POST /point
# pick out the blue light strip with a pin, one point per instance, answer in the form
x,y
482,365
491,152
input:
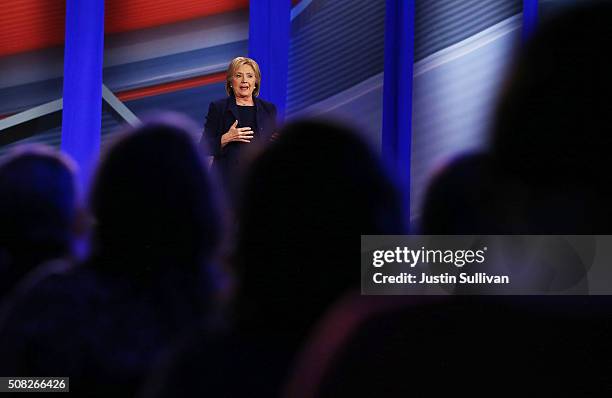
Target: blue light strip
x,y
83,55
299,7
530,17
397,92
269,22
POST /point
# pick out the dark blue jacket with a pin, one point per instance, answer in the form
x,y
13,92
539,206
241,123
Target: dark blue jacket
x,y
224,112
221,115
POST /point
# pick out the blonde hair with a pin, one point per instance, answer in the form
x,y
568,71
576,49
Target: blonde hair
x,y
235,64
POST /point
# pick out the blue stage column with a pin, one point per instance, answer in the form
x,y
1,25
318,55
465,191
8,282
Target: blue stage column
x,y
269,22
530,18
397,92
82,106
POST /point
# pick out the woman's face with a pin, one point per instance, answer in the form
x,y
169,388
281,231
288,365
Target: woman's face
x,y
243,81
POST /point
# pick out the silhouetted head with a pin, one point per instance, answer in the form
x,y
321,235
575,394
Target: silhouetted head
x,y
461,199
547,171
38,207
307,199
555,118
153,198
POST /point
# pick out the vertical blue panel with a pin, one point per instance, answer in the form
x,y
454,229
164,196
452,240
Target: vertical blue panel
x,y
530,17
397,91
269,22
83,54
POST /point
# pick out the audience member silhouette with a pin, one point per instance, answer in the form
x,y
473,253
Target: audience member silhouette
x,y
462,199
38,211
418,346
546,170
157,227
307,199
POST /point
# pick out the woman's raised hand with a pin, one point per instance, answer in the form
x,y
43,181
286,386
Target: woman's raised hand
x,y
237,134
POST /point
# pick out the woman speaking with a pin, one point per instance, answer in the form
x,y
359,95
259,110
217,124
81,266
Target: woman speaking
x,y
237,122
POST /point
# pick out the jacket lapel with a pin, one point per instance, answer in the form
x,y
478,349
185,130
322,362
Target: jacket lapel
x,y
232,107
259,114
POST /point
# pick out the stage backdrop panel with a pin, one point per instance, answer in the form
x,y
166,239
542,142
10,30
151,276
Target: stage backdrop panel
x,y
336,60
462,50
159,55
